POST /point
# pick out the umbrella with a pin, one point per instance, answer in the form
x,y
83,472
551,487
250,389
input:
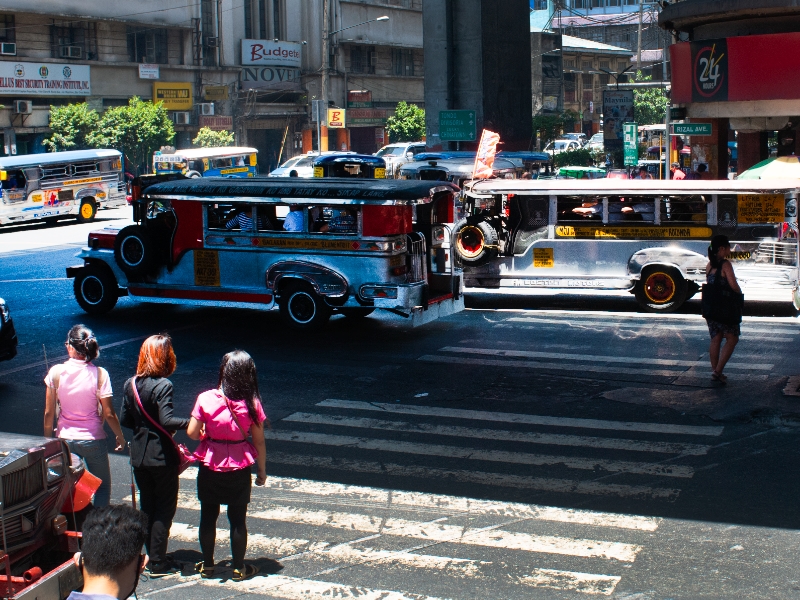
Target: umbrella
x,y
782,167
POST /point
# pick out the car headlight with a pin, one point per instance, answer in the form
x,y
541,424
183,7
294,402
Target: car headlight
x,y
55,468
4,314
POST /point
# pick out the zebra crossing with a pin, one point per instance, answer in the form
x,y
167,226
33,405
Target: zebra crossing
x,y
331,538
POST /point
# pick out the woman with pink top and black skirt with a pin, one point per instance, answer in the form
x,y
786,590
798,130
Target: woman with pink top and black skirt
x,y
222,419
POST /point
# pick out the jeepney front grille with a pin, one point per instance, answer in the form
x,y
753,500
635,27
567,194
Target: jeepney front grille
x,y
416,258
23,484
776,253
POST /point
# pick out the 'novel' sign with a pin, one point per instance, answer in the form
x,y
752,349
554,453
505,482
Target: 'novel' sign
x,y
270,78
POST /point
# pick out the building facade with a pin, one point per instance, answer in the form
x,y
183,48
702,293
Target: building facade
x,y
732,67
249,66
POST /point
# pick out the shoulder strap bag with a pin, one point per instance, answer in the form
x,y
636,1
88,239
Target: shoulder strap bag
x,y
721,304
185,456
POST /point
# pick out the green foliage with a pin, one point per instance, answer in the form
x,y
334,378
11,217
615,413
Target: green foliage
x,y
208,138
407,124
574,158
71,126
551,127
649,104
137,129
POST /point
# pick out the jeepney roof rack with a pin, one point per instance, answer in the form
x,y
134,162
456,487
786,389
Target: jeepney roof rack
x,y
331,190
577,187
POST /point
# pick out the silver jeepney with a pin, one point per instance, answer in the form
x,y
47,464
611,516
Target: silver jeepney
x,y
393,253
646,237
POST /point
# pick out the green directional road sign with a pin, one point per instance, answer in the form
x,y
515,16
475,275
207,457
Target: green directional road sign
x,y
457,126
692,128
630,144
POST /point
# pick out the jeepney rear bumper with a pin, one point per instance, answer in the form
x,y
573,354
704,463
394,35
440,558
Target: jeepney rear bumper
x,y
401,296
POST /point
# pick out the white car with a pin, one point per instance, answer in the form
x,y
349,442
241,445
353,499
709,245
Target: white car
x,y
300,166
578,137
596,142
559,146
396,155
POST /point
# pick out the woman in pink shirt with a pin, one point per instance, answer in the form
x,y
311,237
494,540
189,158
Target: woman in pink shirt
x,y
222,419
83,394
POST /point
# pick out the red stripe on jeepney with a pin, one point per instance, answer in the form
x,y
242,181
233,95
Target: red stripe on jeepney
x,y
201,295
438,299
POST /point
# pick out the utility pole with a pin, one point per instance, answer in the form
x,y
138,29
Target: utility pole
x,y
639,45
667,116
325,59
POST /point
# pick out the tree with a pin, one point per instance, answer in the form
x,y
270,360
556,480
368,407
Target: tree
x,y
649,104
137,129
574,158
208,138
550,127
407,124
71,125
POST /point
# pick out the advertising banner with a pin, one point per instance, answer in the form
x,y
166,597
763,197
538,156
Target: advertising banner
x,y
710,71
44,79
359,99
217,123
617,109
367,117
631,144
270,78
271,54
175,96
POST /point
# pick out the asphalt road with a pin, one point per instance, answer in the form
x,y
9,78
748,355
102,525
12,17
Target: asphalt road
x,y
531,447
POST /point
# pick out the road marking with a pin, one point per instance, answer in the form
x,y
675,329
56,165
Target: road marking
x,y
530,364
495,480
292,588
576,320
499,456
373,497
271,546
585,583
496,434
605,359
32,280
479,415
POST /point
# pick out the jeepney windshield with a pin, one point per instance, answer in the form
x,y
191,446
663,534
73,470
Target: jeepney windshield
x,y
391,151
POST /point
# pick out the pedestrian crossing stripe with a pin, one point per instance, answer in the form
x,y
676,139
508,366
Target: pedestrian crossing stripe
x,y
321,491
476,454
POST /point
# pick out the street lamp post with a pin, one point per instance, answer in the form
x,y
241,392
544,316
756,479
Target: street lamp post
x,y
326,35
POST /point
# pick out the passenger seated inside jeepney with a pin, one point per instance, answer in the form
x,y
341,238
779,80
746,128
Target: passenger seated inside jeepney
x,y
243,220
294,220
342,221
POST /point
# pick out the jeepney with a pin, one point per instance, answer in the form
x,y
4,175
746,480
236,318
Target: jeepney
x,y
456,167
310,247
648,237
348,165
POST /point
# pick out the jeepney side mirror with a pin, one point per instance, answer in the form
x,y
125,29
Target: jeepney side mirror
x,y
138,211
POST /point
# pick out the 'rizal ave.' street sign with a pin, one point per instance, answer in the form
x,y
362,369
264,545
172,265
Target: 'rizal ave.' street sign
x,y
691,129
457,126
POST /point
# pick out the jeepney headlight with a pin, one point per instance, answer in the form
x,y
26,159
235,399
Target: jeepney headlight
x,y
4,314
399,245
438,234
371,292
55,468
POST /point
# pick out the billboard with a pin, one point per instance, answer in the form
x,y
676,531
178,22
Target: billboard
x,y
617,109
44,79
175,96
271,54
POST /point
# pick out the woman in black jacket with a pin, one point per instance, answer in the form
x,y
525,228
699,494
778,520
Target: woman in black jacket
x,y
154,459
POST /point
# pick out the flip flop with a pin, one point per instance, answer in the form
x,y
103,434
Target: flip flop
x,y
719,377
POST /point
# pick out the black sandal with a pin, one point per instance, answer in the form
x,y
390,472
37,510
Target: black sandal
x,y
246,573
205,572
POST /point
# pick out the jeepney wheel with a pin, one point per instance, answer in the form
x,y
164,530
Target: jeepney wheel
x,y
661,289
96,289
475,242
302,307
356,313
87,211
193,174
134,250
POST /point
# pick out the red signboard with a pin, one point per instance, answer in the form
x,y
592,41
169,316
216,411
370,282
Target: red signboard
x,y
738,69
218,123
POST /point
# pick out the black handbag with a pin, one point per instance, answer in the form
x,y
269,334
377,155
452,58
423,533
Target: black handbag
x,y
721,304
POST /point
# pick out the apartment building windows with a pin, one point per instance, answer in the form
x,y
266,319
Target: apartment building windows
x,y
7,31
209,32
402,62
73,39
147,45
362,59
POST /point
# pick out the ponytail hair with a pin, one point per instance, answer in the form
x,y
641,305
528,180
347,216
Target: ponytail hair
x,y
717,242
83,341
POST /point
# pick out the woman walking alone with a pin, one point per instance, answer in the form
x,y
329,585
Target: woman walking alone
x,y
719,271
222,419
154,459
79,396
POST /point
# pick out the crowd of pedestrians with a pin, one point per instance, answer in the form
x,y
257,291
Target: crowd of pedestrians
x,y
228,421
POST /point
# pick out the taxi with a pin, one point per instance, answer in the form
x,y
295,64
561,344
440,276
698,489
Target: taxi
x,y
312,248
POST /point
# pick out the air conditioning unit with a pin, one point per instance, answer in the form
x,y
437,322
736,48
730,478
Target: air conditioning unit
x,y
212,42
205,108
181,118
7,49
23,107
70,52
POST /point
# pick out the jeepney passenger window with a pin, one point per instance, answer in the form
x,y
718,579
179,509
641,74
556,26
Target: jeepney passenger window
x,y
219,215
684,209
221,163
631,209
266,219
340,220
579,208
